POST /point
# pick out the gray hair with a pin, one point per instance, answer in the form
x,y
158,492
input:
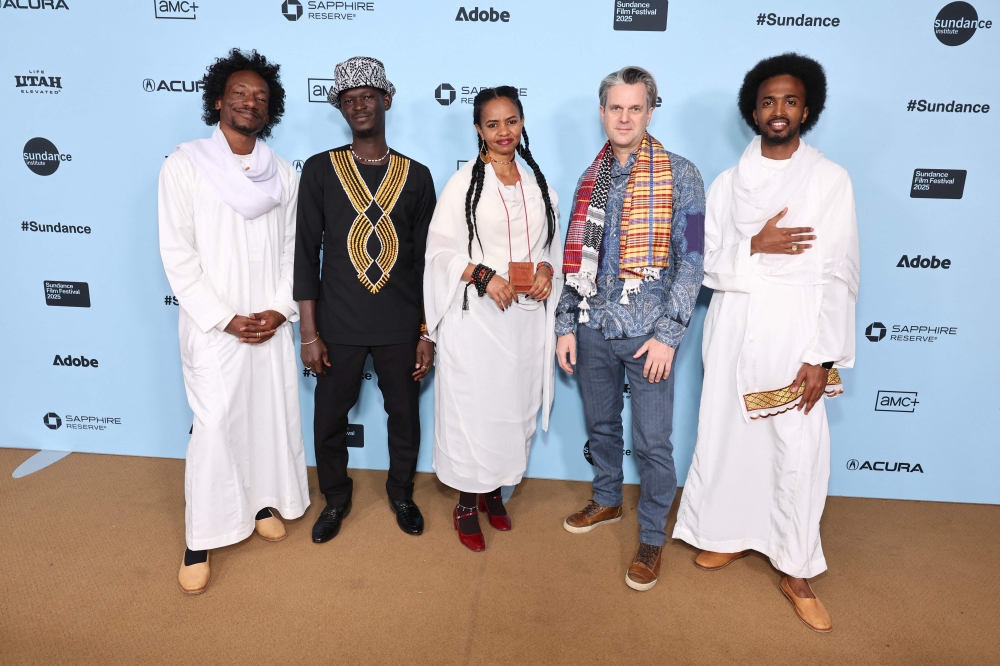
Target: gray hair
x,y
628,76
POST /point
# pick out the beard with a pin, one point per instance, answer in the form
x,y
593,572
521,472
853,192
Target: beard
x,y
774,139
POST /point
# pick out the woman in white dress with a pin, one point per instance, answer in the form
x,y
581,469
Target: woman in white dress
x,y
491,282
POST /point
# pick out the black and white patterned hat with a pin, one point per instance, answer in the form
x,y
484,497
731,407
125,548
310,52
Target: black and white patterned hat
x,y
358,72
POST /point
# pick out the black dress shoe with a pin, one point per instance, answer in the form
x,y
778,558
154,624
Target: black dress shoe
x,y
328,524
408,516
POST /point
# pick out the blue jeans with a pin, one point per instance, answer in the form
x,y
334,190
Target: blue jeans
x,y
601,368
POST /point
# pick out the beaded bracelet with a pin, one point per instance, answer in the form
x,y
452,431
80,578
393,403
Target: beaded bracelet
x,y
481,276
552,271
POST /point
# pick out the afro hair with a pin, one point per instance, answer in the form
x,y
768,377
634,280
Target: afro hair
x,y
806,70
217,75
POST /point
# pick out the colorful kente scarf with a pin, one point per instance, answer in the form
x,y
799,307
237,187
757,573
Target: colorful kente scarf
x,y
645,224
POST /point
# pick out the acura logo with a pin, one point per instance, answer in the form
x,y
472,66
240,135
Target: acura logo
x,y
148,85
852,464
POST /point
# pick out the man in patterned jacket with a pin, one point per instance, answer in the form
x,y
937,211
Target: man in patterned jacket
x,y
633,264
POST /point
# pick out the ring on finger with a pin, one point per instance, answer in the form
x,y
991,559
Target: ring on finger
x,y
795,248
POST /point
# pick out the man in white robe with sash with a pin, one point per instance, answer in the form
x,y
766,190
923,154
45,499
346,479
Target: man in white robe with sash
x,y
227,209
781,253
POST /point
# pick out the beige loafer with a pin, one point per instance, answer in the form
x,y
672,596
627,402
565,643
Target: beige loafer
x,y
709,561
194,579
270,529
812,612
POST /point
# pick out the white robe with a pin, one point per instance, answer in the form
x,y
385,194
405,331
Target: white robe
x,y
494,370
246,450
759,480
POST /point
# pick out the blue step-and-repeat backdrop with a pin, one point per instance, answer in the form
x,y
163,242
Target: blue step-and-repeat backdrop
x,y
108,89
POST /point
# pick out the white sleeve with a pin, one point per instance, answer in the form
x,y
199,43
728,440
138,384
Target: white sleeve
x,y
728,262
447,255
283,301
835,335
178,249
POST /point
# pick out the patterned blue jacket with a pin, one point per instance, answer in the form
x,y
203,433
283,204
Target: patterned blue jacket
x,y
662,307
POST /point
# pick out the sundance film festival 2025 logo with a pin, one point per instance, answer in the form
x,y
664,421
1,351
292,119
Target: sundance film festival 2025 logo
x,y
53,421
175,85
923,106
71,361
855,465
957,22
477,15
589,457
917,261
876,332
641,15
446,94
938,184
904,402
36,82
42,156
67,294
327,10
35,4
57,228
175,9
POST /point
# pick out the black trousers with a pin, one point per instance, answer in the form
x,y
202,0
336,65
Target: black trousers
x,y
337,393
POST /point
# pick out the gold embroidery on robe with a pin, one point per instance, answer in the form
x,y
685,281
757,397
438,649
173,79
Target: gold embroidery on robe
x,y
373,272
768,400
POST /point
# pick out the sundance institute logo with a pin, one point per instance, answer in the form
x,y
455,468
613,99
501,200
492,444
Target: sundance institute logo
x,y
42,157
957,22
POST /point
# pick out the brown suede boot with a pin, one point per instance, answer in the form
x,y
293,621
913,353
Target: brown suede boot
x,y
591,516
645,568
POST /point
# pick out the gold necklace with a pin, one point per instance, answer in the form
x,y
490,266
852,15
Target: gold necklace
x,y
496,161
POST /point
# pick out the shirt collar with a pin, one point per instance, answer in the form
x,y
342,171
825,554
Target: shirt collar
x,y
618,170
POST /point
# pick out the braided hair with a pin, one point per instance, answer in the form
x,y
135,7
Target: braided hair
x,y
475,191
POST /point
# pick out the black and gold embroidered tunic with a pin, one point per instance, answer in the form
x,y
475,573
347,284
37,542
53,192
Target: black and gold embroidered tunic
x,y
369,225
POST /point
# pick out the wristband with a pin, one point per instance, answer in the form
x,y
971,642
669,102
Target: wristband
x,y
552,271
481,276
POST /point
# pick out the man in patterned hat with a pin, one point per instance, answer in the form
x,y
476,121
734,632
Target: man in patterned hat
x,y
367,208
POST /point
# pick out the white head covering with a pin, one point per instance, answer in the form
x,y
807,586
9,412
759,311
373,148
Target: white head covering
x,y
251,193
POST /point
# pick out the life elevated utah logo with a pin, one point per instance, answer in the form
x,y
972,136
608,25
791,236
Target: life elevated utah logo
x,y
35,82
42,157
957,22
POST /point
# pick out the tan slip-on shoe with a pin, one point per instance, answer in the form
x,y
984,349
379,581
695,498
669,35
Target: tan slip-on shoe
x,y
591,516
194,579
270,529
812,612
710,561
645,568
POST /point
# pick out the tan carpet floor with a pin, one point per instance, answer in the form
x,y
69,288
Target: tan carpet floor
x,y
89,551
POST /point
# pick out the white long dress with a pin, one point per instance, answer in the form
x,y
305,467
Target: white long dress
x,y
494,369
246,450
759,478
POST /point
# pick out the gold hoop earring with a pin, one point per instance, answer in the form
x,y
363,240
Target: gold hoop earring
x,y
483,150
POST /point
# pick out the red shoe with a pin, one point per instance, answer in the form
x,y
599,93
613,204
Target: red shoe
x,y
501,523
473,542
